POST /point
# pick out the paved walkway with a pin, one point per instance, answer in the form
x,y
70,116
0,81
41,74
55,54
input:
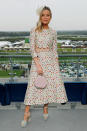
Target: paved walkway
x,y
60,119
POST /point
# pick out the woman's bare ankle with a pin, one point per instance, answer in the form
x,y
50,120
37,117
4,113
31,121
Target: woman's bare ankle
x,y
45,109
26,112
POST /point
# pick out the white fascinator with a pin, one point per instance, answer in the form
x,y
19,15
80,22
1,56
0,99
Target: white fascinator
x,y
38,10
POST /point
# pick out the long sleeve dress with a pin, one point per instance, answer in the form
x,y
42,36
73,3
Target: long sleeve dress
x,y
55,91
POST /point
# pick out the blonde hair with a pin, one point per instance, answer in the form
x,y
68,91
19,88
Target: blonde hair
x,y
39,25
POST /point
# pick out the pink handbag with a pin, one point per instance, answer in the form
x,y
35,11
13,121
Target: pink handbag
x,y
40,82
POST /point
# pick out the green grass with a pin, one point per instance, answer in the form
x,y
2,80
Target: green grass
x,y
4,74
26,60
71,38
15,59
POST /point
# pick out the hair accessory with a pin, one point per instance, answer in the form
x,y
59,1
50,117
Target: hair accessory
x,y
38,10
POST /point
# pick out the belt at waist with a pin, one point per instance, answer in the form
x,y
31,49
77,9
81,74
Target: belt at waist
x,y
41,49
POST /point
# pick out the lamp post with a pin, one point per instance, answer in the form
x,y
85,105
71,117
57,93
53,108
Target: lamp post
x,y
78,67
11,73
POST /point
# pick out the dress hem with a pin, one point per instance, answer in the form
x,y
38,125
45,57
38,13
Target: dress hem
x,y
47,102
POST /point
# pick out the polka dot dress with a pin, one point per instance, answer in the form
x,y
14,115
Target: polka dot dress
x,y
55,91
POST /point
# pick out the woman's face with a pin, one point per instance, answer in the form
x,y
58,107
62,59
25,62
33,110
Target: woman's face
x,y
45,17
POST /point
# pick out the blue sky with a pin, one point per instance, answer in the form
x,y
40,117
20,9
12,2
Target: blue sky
x,y
20,15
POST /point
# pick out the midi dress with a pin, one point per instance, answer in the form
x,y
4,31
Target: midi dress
x,y
55,91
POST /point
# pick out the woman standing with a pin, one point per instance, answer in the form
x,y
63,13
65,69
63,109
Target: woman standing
x,y
43,47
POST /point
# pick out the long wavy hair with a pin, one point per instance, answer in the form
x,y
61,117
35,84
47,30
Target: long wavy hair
x,y
39,25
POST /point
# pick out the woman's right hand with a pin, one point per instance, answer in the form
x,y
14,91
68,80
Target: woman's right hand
x,y
39,69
